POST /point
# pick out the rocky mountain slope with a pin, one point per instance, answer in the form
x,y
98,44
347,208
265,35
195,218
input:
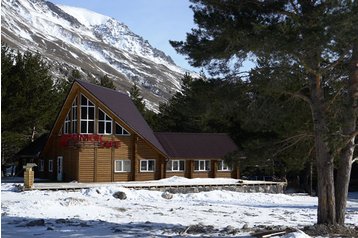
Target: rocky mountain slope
x,y
96,45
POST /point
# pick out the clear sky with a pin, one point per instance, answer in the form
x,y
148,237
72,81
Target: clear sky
x,y
157,21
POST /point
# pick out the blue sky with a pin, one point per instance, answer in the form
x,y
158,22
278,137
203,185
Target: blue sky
x,y
157,21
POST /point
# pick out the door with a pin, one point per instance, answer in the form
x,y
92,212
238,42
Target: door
x,y
59,168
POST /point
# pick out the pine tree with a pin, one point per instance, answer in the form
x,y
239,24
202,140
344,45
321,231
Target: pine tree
x,y
317,37
137,98
105,81
29,100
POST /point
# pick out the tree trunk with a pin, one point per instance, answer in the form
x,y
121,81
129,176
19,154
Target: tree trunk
x,y
326,213
349,127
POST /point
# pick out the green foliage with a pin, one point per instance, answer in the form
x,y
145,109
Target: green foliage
x,y
105,81
137,98
295,43
29,99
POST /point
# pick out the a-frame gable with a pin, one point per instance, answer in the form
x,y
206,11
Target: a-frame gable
x,y
116,105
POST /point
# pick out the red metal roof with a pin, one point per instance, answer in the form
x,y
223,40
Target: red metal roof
x,y
196,145
123,107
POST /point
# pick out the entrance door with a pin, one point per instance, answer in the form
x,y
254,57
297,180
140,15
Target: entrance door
x,y
59,168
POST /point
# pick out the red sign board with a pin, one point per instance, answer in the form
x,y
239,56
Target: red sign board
x,y
85,139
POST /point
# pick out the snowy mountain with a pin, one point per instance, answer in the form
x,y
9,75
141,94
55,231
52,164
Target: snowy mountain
x,y
74,38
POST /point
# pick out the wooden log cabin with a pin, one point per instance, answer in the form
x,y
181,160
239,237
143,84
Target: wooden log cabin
x,y
100,136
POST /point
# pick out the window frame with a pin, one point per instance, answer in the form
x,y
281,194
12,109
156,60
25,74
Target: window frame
x,y
50,166
67,124
104,121
200,162
87,119
222,166
122,165
171,163
147,165
74,118
123,130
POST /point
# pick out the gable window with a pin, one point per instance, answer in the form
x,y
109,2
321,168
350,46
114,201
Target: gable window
x,y
70,124
42,165
87,116
202,165
122,166
223,166
175,165
74,116
50,166
67,124
147,165
121,131
104,123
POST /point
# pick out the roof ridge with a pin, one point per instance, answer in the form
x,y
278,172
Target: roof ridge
x,y
99,86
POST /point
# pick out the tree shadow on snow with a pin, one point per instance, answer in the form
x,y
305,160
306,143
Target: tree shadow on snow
x,y
72,227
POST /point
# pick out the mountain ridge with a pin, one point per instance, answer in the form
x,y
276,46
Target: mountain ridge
x,y
95,44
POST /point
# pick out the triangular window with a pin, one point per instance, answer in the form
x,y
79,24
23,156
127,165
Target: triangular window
x,y
121,131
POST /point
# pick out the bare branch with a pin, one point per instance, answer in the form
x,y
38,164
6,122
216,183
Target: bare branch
x,y
301,96
354,160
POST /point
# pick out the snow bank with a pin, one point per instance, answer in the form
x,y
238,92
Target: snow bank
x,y
147,213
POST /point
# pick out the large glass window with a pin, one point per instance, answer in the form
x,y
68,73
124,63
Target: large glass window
x,y
147,165
104,123
122,166
223,166
87,116
175,165
202,165
121,131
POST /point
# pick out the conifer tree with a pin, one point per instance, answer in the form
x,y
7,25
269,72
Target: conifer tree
x,y
29,100
105,81
137,98
317,37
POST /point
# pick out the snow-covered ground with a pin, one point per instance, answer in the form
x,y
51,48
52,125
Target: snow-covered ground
x,y
94,212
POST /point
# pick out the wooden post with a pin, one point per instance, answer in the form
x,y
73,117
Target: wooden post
x,y
29,175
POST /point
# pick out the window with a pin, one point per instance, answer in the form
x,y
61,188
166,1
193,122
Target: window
x,y
202,165
122,166
104,123
50,166
67,124
175,165
147,165
87,116
42,165
74,116
70,124
223,166
121,131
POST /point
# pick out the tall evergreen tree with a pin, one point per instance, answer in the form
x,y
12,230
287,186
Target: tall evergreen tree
x,y
317,37
29,100
137,98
